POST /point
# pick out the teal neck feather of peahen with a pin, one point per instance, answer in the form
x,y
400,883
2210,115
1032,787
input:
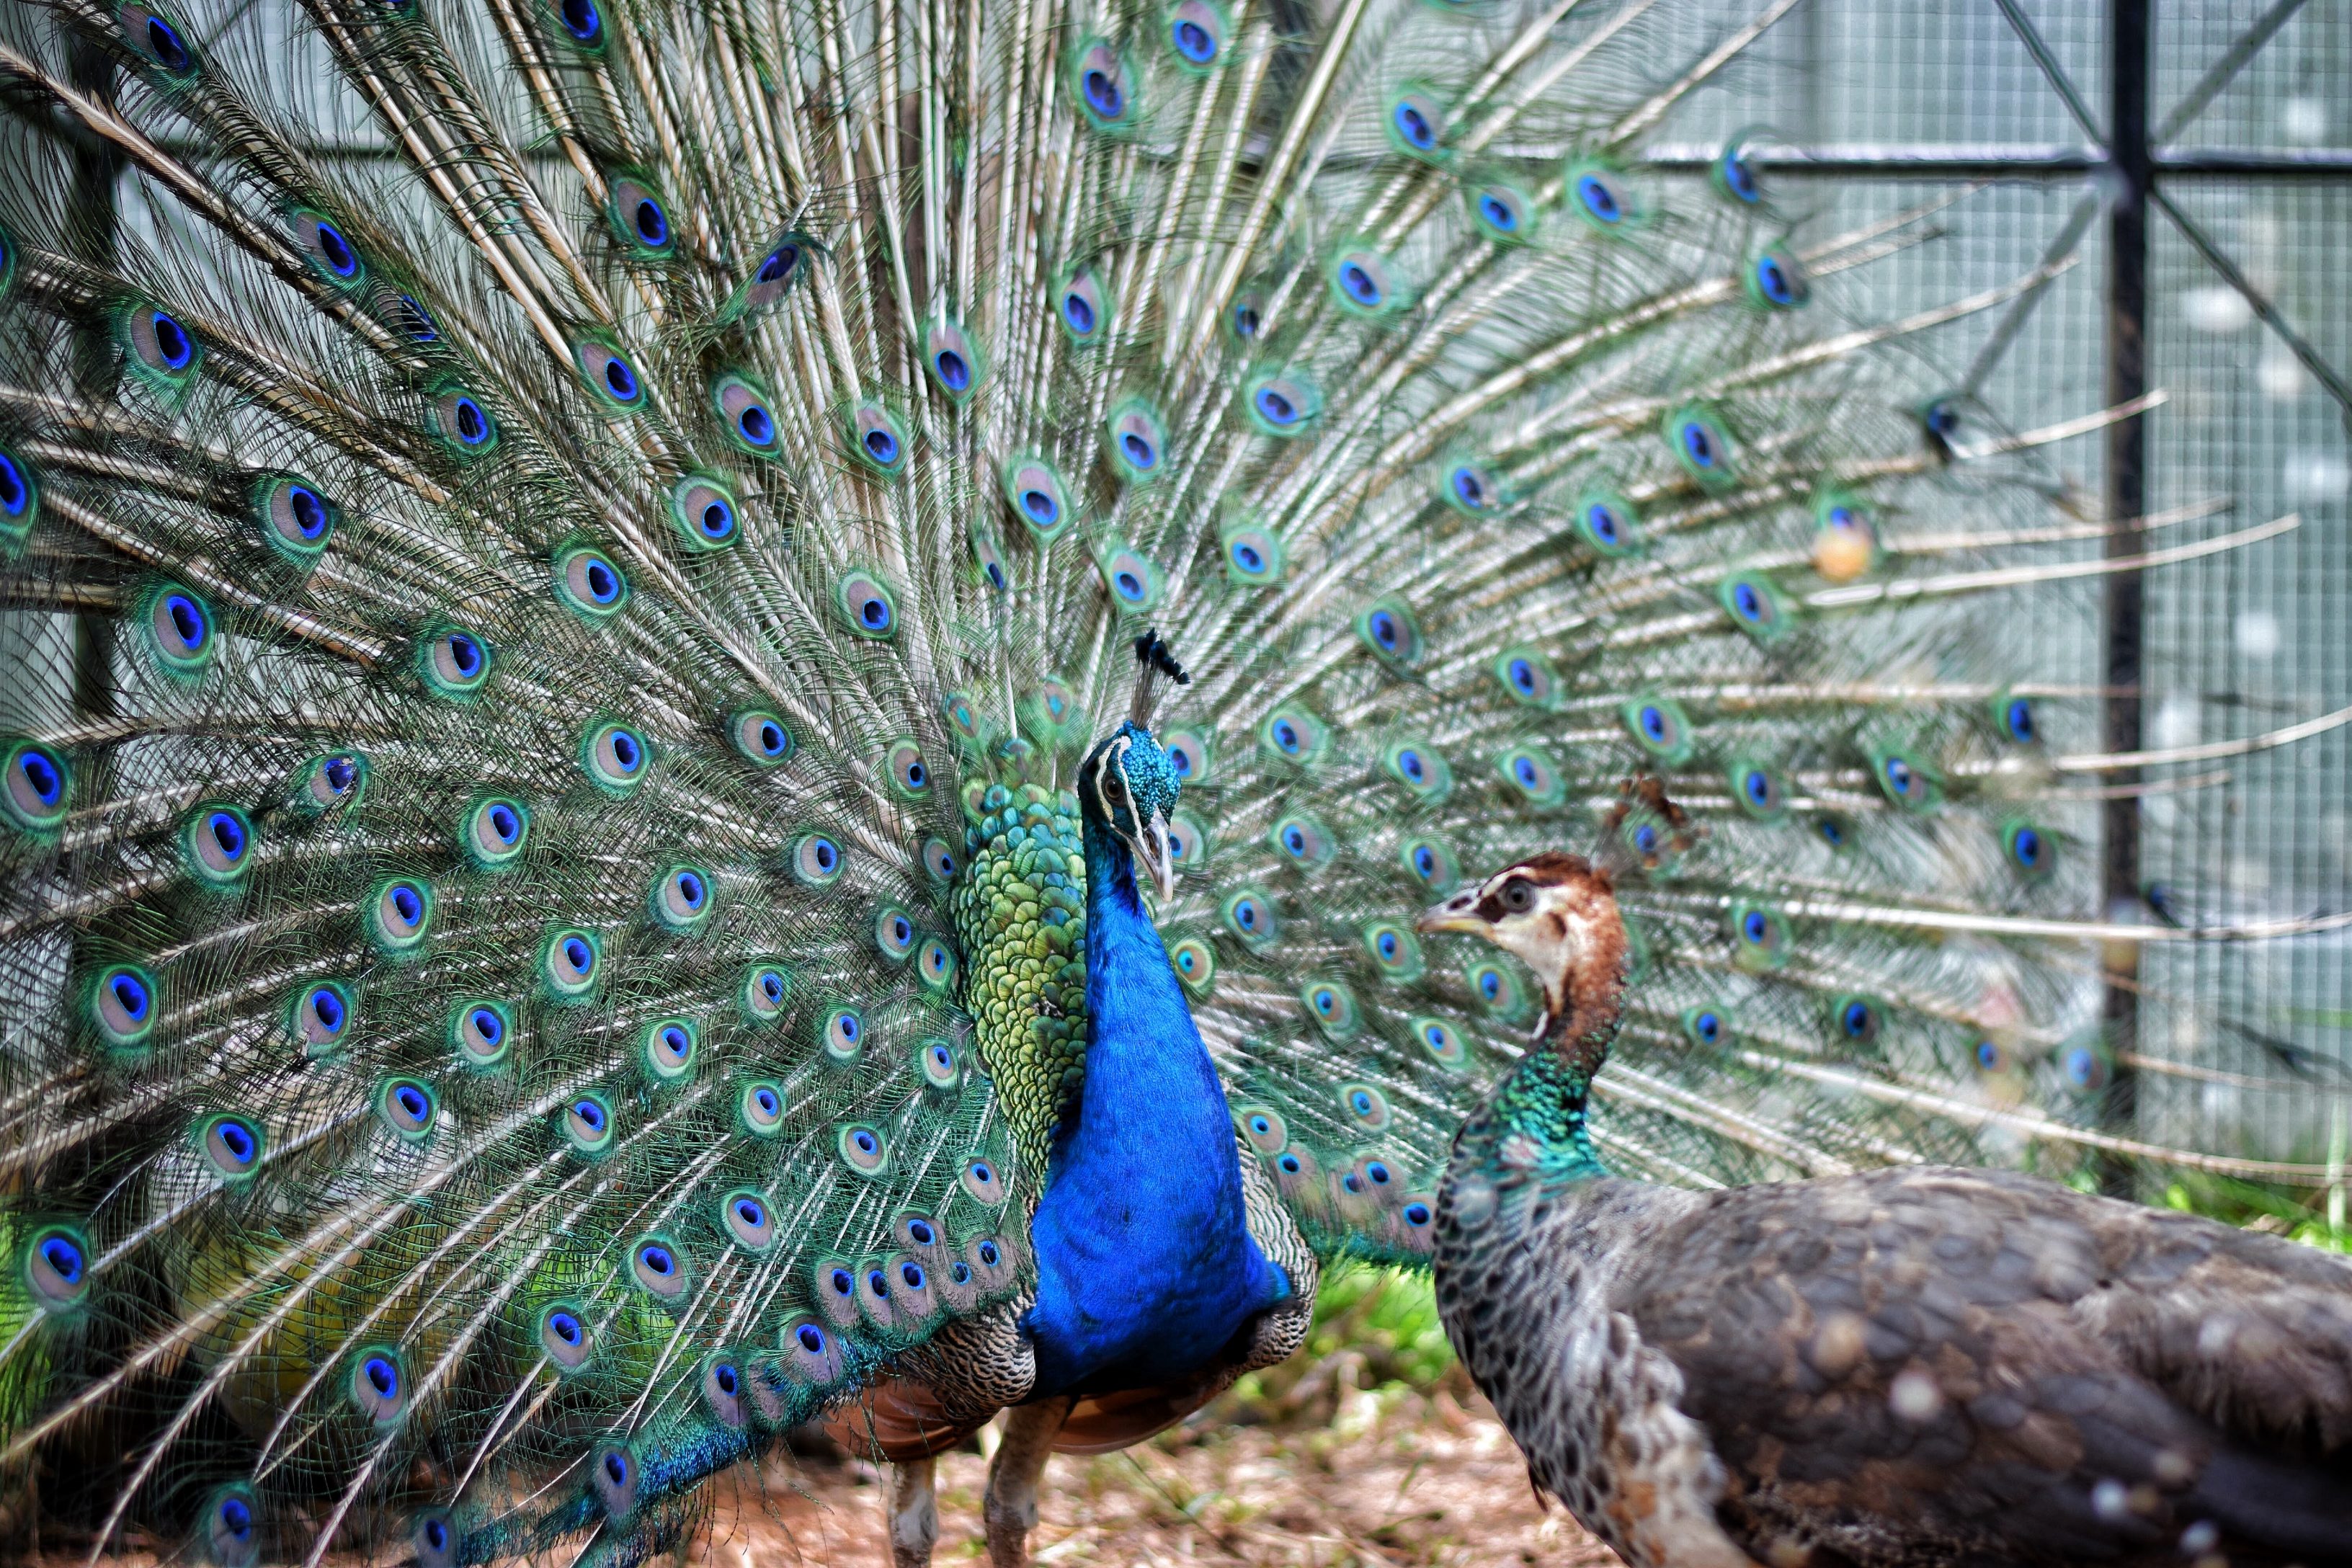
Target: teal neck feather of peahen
x,y
1539,1113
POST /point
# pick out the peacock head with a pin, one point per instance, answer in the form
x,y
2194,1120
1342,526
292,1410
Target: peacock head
x,y
1128,784
1558,914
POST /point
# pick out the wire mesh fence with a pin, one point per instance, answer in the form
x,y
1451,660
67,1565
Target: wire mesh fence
x,y
2248,110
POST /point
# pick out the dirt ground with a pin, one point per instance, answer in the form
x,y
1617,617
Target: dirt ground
x,y
1395,1478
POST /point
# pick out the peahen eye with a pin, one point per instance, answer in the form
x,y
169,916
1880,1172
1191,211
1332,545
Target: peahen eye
x,y
1519,895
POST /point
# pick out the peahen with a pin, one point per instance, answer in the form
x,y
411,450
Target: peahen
x,y
1883,1369
560,562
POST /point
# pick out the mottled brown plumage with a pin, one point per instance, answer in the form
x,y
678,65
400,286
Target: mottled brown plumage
x,y
1893,1369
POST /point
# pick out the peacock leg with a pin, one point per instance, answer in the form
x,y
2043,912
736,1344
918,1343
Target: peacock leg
x,y
1010,1506
914,1514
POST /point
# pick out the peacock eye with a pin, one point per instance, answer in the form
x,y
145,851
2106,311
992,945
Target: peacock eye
x,y
1519,895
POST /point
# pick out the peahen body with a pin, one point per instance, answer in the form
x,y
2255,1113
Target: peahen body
x,y
1898,1368
562,564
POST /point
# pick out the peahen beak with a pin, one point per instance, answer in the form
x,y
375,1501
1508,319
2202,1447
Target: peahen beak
x,y
1459,913
1153,854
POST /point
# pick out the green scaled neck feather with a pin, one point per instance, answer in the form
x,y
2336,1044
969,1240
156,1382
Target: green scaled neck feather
x,y
1540,1106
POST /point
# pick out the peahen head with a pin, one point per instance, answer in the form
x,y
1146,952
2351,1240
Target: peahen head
x,y
1127,786
1558,914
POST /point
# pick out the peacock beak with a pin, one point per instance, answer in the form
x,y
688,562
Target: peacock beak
x,y
1459,913
1153,853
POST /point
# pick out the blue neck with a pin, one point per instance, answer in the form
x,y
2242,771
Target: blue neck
x,y
1145,1271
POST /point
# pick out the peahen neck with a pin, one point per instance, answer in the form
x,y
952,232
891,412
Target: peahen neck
x,y
1535,1116
1145,1269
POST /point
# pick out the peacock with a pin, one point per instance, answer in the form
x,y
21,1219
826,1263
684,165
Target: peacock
x,y
1881,1368
570,574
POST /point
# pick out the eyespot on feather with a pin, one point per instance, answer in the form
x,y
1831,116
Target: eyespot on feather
x,y
1135,442
670,1048
748,413
681,898
1430,863
1394,951
704,512
407,1108
320,1015
1103,84
481,1032
20,488
494,833
1389,629
1082,307
1659,727
1033,489
615,757
1133,582
766,988
158,38
1250,916
229,1526
1846,537
1416,122
1702,446
586,1125
399,916
1503,212
296,518
1281,402
159,349
1197,33
759,738
1603,198
1253,555
955,361
566,1336
878,438
1366,284
571,963
1195,964
218,845
1759,937
460,422
638,215
760,1108
588,582
867,604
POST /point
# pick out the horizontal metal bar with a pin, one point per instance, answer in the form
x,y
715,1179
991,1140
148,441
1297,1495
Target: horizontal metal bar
x,y
1994,160
2325,162
1881,160
1938,159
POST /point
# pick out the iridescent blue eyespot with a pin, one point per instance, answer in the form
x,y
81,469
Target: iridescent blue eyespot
x,y
158,39
1737,178
1778,280
1599,199
1415,124
582,20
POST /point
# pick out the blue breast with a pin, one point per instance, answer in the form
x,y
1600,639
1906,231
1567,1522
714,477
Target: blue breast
x,y
1145,1268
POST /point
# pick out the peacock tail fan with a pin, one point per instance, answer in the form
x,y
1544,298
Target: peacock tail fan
x,y
559,559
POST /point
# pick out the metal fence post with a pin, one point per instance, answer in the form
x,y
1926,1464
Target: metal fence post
x,y
2131,164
